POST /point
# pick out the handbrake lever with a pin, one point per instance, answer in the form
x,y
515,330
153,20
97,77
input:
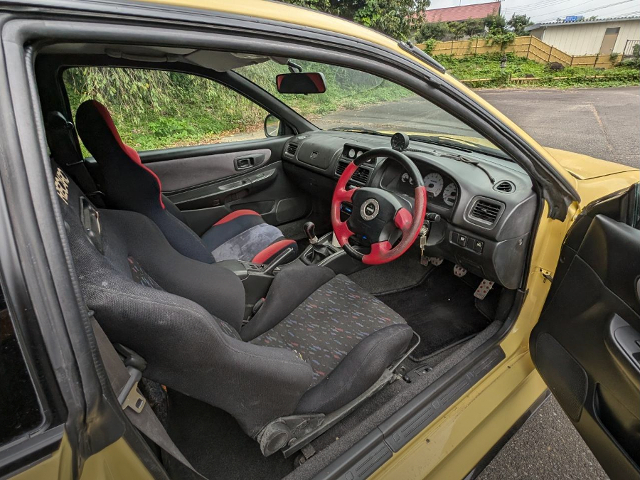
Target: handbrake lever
x,y
276,262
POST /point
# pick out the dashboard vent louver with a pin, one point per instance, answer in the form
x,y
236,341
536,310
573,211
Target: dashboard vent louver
x,y
360,176
486,211
341,168
505,186
292,148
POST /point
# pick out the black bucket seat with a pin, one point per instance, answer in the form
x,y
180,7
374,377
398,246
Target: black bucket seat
x,y
318,343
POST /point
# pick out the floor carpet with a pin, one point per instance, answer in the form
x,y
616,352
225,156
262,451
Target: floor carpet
x,y
441,310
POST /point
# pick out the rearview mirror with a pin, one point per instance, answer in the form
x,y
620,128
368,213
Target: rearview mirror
x,y
301,83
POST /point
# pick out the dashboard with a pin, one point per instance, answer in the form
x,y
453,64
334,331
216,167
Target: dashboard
x,y
486,203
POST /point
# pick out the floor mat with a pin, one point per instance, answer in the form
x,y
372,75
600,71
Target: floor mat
x,y
403,273
215,445
441,310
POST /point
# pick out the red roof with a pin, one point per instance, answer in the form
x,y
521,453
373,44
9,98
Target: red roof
x,y
464,12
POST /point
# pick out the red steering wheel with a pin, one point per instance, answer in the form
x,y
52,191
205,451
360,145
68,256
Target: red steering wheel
x,y
378,215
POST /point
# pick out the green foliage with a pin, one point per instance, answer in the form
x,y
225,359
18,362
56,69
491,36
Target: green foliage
x,y
613,57
436,31
457,29
155,109
429,45
502,38
487,68
495,22
518,24
473,27
393,17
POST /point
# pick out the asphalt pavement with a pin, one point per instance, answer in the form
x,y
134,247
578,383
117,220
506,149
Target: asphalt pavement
x,y
600,122
603,123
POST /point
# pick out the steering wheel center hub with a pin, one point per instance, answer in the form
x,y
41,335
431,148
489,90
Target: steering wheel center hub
x,y
369,209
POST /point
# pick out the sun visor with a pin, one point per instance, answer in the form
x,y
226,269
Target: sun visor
x,y
225,61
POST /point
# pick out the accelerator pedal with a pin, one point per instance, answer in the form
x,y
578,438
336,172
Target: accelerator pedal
x,y
483,289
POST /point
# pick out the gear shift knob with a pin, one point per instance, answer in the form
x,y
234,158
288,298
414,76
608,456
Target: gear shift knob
x,y
310,232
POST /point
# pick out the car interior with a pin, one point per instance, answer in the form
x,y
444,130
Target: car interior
x,y
290,291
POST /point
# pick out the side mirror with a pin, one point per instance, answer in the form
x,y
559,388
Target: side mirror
x,y
301,83
271,126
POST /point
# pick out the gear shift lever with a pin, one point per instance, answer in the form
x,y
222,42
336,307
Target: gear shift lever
x,y
310,230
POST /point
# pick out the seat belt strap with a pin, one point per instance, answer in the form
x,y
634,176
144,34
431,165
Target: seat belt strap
x,y
124,381
62,143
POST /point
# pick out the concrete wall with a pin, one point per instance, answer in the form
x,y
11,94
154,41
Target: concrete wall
x,y
586,38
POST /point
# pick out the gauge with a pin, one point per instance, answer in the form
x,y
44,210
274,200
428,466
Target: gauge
x,y
450,194
400,141
405,177
352,153
360,152
434,183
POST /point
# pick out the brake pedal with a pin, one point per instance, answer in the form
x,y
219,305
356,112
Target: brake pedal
x,y
483,289
459,271
436,261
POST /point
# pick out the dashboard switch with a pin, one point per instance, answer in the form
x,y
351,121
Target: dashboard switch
x,y
462,240
478,245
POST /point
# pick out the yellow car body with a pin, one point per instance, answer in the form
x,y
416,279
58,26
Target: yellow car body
x,y
461,436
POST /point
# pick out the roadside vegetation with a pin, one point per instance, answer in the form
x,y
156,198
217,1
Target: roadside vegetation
x,y
155,109
486,69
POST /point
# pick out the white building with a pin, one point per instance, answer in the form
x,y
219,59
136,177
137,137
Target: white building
x,y
590,37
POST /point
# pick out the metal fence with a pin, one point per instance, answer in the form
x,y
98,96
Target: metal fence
x,y
631,49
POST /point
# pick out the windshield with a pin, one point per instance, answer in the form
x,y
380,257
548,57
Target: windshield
x,y
359,101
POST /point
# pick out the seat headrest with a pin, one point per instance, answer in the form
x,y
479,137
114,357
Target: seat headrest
x,y
100,136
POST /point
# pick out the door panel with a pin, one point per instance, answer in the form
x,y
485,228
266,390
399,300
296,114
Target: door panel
x,y
180,173
208,182
586,344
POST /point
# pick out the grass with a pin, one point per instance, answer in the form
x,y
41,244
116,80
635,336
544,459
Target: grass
x,y
487,66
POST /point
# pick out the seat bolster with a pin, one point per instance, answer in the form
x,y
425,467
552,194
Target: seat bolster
x,y
289,289
357,371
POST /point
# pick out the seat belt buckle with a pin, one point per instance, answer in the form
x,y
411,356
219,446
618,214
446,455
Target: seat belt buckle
x,y
130,396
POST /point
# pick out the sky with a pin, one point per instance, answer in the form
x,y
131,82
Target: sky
x,y
549,10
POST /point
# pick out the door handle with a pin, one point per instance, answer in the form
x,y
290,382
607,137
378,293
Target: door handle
x,y
242,163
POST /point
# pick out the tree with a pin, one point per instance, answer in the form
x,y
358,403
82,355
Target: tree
x,y
495,23
438,31
393,17
518,24
474,26
457,30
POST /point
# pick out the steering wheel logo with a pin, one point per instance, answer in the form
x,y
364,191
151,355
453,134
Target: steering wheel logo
x,y
370,209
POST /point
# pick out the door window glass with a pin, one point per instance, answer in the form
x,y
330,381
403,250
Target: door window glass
x,y
155,109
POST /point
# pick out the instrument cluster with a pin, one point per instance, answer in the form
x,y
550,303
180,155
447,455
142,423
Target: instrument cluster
x,y
437,186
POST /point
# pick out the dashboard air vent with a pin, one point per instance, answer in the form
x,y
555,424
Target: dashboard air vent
x,y
292,148
486,211
505,186
360,176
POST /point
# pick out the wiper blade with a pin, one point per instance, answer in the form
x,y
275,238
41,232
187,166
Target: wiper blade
x,y
358,130
463,159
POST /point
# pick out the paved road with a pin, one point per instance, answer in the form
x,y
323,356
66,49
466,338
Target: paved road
x,y
600,122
